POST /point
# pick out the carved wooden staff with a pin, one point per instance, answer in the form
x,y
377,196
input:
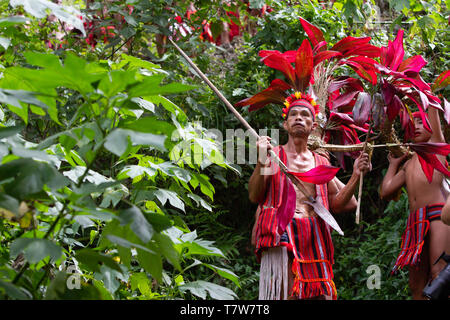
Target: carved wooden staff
x,y
318,207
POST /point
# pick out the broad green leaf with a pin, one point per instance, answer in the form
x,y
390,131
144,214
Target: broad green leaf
x,y
115,81
14,292
35,249
168,250
127,244
9,203
163,195
30,177
133,216
134,63
168,105
13,20
151,262
149,125
117,140
15,97
200,201
225,273
10,131
201,288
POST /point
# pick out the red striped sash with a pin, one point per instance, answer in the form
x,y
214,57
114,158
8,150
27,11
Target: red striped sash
x,y
413,237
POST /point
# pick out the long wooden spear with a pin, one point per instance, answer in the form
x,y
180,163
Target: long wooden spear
x,y
317,205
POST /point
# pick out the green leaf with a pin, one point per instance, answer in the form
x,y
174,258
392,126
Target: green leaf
x,y
201,288
30,177
13,20
168,250
133,216
150,87
151,262
35,249
9,203
127,244
94,260
149,125
117,140
225,273
163,195
15,292
15,97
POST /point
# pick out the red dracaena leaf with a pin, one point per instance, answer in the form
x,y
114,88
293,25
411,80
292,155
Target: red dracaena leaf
x,y
387,91
407,124
393,108
349,43
361,109
275,93
413,64
286,209
365,73
325,55
441,81
356,84
314,33
303,66
279,62
318,175
429,162
395,52
344,99
431,147
319,47
366,50
427,168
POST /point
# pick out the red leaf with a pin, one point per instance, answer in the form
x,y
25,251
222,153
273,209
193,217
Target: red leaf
x,y
344,99
303,66
349,43
442,81
318,175
395,51
394,108
324,55
348,81
277,61
366,50
362,108
412,64
368,74
431,147
429,162
319,47
314,33
275,93
427,168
